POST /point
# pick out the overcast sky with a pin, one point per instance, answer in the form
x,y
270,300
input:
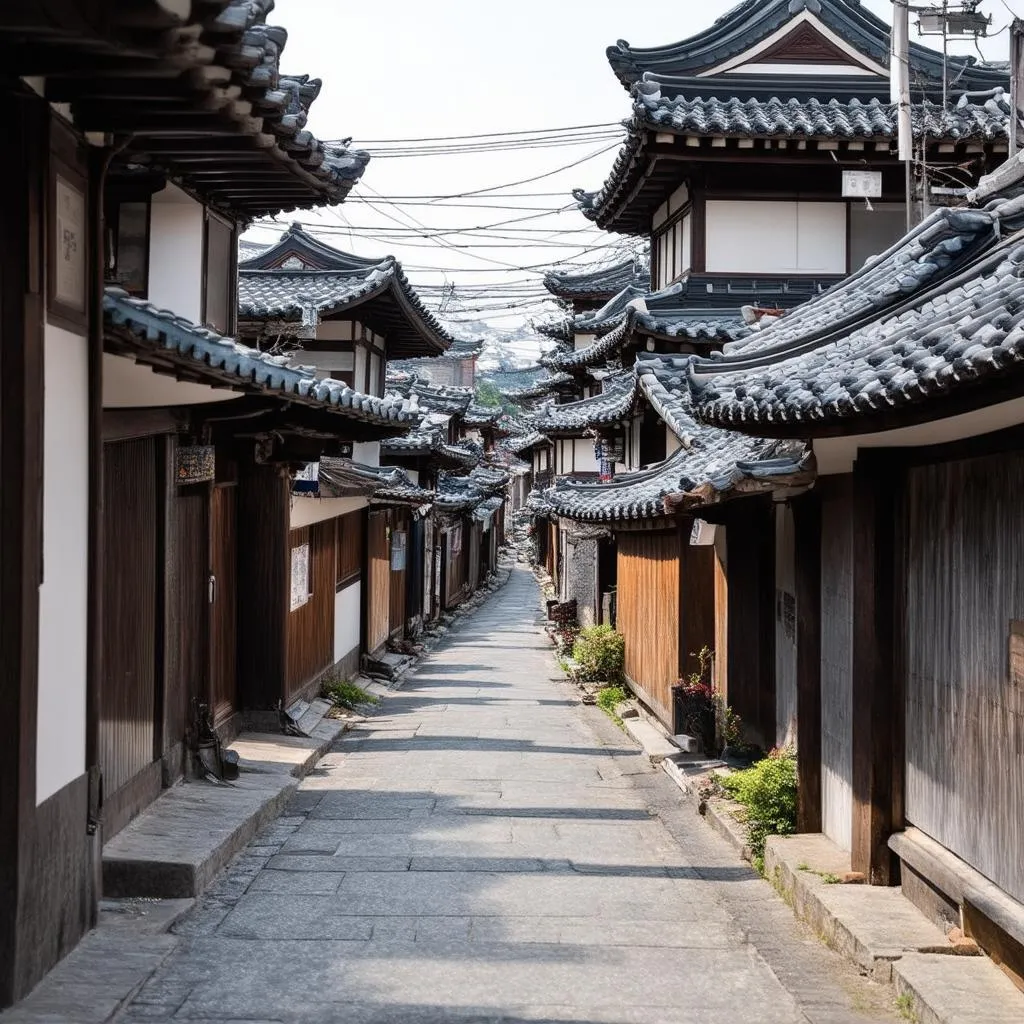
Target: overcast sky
x,y
409,69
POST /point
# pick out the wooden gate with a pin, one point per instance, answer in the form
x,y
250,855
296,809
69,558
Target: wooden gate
x,y
191,588
131,516
648,614
222,596
964,654
378,597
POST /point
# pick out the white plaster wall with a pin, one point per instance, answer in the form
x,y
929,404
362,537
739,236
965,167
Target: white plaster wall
x,y
366,452
347,604
776,237
672,443
127,385
176,254
63,597
586,461
837,454
308,509
583,340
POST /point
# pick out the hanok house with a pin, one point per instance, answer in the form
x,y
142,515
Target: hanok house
x,y
136,143
380,568
668,606
904,559
455,367
741,139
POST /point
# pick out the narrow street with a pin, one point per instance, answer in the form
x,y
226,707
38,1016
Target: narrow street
x,y
487,849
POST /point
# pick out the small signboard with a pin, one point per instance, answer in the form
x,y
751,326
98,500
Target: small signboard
x,y
307,479
300,576
195,464
398,545
862,184
703,534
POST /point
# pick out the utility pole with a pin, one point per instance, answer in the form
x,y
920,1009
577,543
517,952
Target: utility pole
x,y
1016,83
899,86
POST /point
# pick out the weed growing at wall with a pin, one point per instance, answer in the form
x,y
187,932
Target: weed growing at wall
x,y
347,694
600,653
768,791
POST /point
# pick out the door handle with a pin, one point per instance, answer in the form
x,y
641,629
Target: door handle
x,y
212,588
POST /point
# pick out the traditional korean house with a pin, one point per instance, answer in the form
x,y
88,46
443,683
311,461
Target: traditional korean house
x,y
584,291
666,598
139,139
742,138
904,557
455,367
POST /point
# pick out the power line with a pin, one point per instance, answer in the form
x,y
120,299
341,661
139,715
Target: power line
x,y
486,135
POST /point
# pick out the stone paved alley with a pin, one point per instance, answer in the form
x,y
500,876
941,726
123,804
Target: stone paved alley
x,y
488,849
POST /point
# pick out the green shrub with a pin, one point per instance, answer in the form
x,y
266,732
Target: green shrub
x,y
610,698
347,694
768,791
600,653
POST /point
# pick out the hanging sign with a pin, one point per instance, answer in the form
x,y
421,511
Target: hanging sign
x,y
862,184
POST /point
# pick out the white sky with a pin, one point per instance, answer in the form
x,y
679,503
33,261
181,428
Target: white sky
x,y
402,69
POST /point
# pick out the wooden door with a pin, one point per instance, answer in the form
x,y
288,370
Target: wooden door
x,y
127,726
648,615
191,595
378,599
223,597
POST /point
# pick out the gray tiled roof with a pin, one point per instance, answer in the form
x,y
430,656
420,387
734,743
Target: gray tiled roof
x,y
715,111
602,282
384,484
154,335
754,21
429,441
534,382
523,442
611,313
442,398
956,331
477,415
302,278
615,403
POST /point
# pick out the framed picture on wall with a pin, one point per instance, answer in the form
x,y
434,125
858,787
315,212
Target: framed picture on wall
x,y
67,231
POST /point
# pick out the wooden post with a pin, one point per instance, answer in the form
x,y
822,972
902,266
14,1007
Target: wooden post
x,y
877,733
807,525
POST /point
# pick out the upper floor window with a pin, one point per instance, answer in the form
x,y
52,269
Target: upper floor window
x,y
672,249
128,246
219,296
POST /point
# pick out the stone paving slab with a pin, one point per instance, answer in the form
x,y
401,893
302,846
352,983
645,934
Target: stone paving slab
x,y
177,845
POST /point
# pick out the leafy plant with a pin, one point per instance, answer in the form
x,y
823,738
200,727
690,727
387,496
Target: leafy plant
x,y
348,694
601,653
610,698
768,791
702,711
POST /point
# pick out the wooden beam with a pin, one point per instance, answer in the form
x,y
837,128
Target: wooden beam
x,y
807,525
877,734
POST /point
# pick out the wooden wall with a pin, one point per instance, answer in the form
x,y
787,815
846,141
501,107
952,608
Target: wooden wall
x,y
456,566
310,636
378,581
721,585
750,685
837,659
964,674
128,695
648,614
785,628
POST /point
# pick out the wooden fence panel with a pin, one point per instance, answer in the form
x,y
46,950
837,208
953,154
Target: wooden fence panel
x,y
130,541
964,650
311,625
378,599
648,614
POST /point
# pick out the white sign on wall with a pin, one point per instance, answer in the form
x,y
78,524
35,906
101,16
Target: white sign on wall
x,y
300,576
862,184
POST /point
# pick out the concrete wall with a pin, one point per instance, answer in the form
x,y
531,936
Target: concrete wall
x,y
63,597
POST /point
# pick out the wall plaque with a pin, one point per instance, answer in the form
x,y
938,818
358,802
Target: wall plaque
x,y
398,543
300,576
195,464
71,250
1017,652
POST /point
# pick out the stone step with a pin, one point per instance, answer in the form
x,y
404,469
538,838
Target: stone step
x,y
177,845
657,746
